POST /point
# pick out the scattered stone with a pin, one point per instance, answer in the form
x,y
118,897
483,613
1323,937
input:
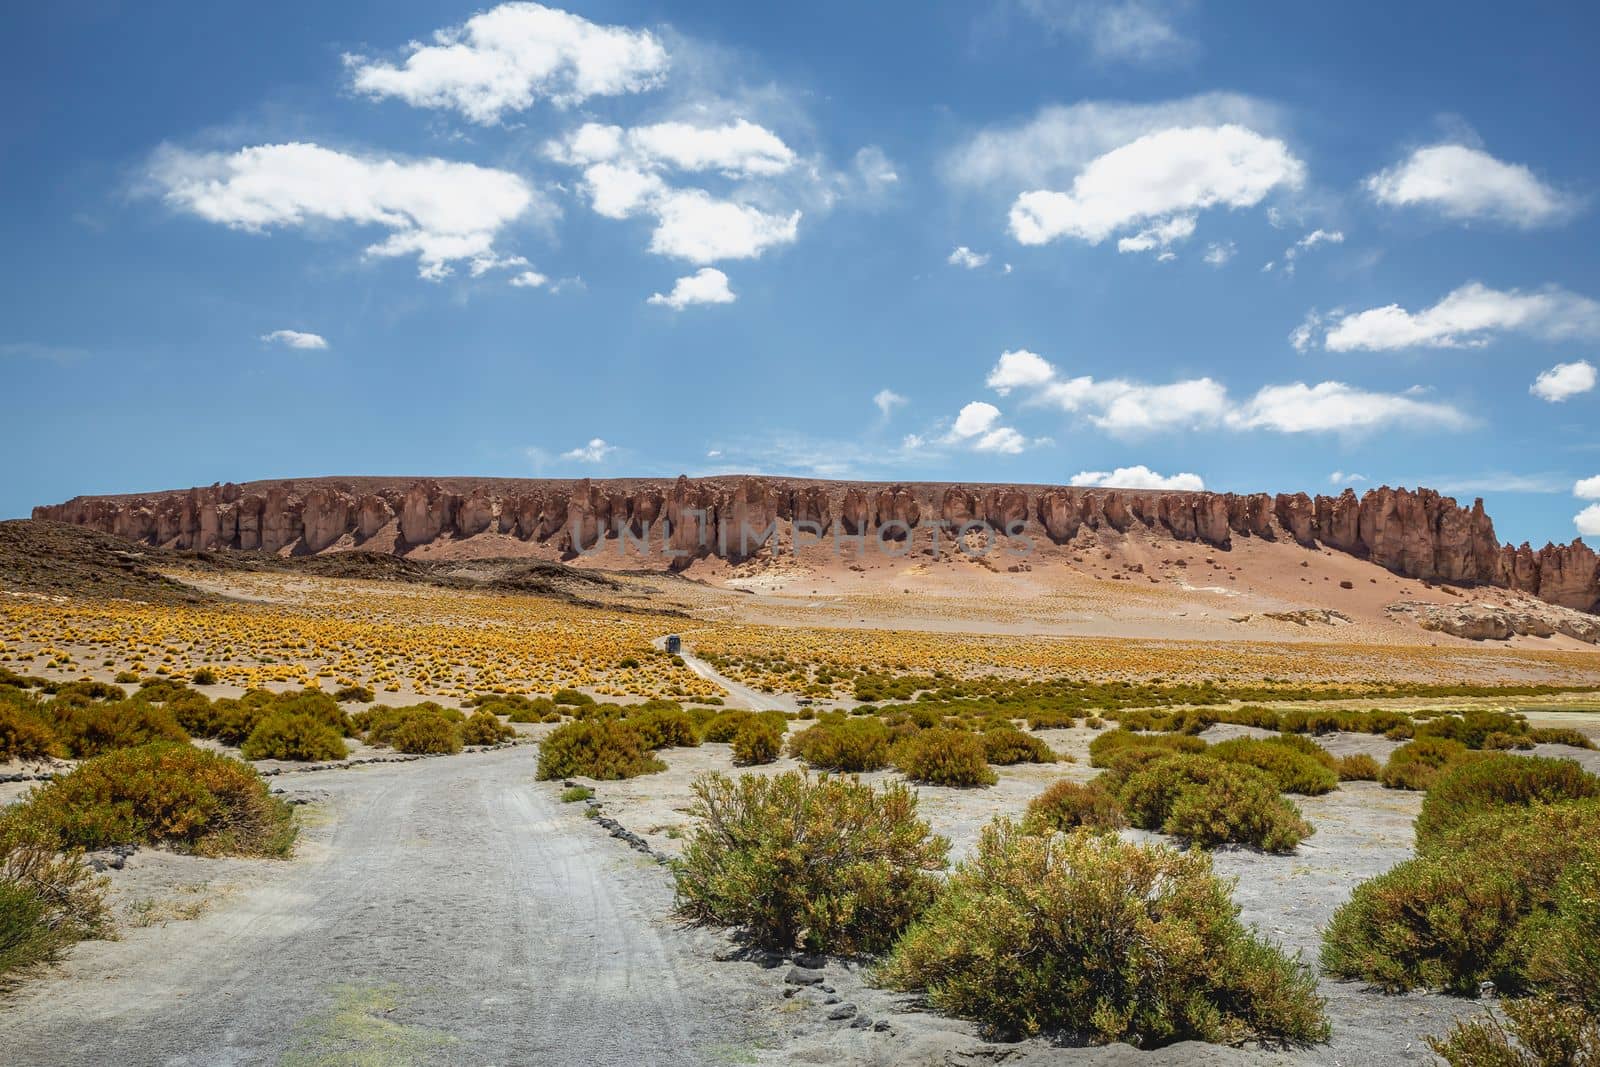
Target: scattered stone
x,y
1499,622
843,1011
803,976
1306,616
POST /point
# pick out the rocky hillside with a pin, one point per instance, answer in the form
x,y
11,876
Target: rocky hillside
x,y
1419,534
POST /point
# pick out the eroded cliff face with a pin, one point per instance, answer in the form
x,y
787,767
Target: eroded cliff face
x,y
1416,533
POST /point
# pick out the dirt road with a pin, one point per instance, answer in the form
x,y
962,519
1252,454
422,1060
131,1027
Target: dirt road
x,y
743,695
447,911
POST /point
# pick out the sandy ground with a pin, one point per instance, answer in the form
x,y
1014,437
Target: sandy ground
x,y
1362,830
452,910
442,911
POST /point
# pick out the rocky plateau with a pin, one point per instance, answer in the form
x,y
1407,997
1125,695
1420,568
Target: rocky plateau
x,y
1415,533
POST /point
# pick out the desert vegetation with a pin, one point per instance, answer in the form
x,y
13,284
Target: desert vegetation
x,y
1085,934
49,898
1538,1032
878,665
165,793
354,635
825,863
600,748
1503,890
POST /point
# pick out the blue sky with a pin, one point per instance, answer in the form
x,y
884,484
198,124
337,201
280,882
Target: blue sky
x,y
1020,241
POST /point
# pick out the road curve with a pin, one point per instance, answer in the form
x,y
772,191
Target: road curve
x,y
453,912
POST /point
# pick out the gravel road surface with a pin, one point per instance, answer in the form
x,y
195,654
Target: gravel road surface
x,y
445,911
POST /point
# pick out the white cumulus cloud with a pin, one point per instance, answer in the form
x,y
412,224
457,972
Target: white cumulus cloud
x,y
1467,183
528,279
594,452
694,225
1138,477
1343,478
295,339
1160,237
966,257
1587,488
504,59
1158,177
440,211
1019,369
1334,406
627,172
708,285
1588,521
738,149
977,427
1129,408
1468,317
1219,252
1050,148
1564,380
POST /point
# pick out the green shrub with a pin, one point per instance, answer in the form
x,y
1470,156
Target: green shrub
x,y
419,729
1105,747
47,899
721,727
1293,769
1092,936
1305,746
1006,745
605,749
315,703
1540,1032
203,676
827,863
1068,805
851,746
1209,801
483,727
426,735
26,936
664,727
540,709
1467,790
1359,767
1416,764
1561,735
1565,955
91,729
574,793
163,794
24,734
293,737
1479,728
1472,909
757,741
354,694
943,756
572,698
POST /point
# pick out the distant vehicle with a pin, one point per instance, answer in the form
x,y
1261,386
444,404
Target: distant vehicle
x,y
804,702
674,644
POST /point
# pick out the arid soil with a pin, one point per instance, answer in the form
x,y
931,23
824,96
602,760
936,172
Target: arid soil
x,y
452,910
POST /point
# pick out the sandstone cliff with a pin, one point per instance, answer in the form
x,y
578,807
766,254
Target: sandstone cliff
x,y
1416,533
